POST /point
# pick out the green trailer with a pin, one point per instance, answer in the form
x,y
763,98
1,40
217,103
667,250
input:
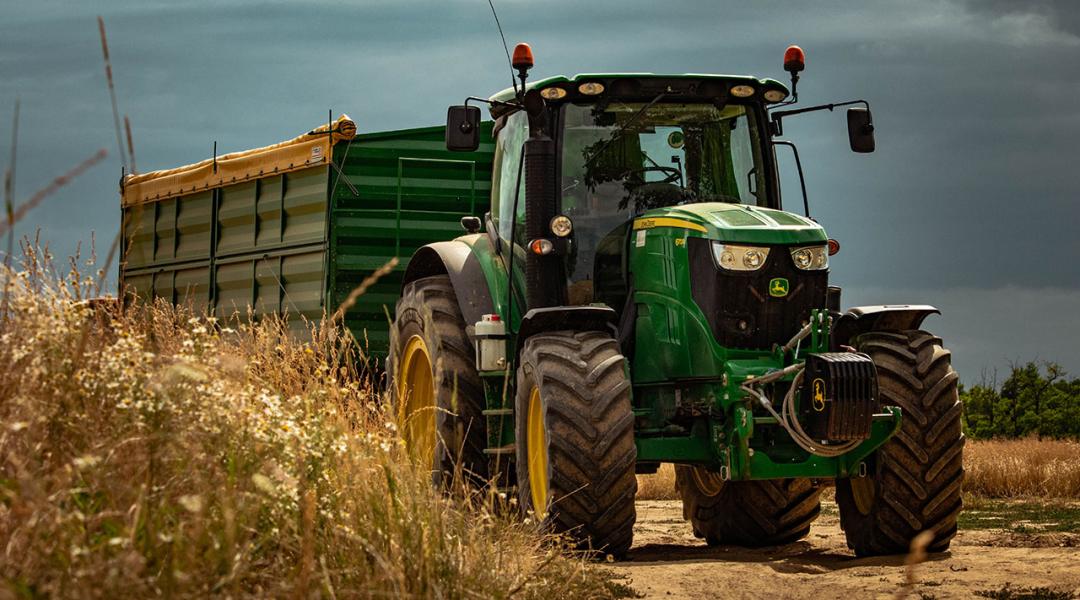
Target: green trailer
x,y
293,228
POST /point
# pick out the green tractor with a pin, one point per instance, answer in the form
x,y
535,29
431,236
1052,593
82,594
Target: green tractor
x,y
637,295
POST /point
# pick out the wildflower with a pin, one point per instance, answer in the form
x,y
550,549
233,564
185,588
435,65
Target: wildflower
x,y
86,461
263,483
192,503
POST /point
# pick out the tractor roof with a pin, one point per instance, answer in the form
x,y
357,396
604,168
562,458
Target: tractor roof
x,y
651,84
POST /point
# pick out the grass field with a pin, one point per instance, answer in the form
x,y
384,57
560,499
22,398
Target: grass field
x,y
151,453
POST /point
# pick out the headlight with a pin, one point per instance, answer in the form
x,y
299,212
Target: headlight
x,y
739,258
561,226
811,258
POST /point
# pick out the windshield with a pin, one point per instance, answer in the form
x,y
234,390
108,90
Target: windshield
x,y
621,159
632,157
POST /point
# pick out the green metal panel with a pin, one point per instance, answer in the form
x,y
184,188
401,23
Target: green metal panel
x,y
139,224
304,207
194,220
268,207
236,218
398,191
290,280
191,287
142,285
187,284
280,211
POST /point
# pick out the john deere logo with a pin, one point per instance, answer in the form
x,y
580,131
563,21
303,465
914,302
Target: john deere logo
x,y
819,394
778,287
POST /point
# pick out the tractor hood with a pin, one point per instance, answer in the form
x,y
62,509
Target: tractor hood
x,y
736,223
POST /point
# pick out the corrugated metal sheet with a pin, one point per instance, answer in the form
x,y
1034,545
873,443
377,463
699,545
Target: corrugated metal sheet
x,y
281,215
288,281
187,284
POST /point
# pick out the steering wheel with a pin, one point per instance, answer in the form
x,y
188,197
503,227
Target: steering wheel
x,y
672,173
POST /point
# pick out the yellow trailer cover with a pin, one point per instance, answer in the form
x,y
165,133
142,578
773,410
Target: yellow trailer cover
x,y
308,150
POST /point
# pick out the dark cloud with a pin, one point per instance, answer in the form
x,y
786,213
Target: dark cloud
x,y
971,200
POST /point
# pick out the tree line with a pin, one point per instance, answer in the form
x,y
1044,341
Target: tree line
x,y
1037,399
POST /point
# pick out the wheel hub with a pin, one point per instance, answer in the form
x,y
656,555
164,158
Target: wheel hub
x,y
536,446
862,491
416,408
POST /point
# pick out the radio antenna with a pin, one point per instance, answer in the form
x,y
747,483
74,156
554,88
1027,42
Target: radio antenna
x,y
506,48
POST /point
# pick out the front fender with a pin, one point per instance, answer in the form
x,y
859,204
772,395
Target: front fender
x,y
882,317
572,318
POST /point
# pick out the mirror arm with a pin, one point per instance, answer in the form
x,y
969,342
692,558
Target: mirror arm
x,y
798,166
777,117
489,102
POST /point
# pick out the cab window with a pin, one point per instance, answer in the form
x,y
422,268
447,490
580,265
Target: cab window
x,y
506,185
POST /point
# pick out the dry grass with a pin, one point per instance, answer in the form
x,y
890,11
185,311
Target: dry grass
x,y
659,485
1023,468
148,452
1026,468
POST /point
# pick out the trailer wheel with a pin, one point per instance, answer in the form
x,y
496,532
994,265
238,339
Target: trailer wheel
x,y
575,438
438,396
913,482
746,513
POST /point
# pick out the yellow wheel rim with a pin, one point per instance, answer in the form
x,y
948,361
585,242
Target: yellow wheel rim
x,y
862,491
536,447
416,405
707,482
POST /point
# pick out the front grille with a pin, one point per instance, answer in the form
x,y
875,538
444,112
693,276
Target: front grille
x,y
740,311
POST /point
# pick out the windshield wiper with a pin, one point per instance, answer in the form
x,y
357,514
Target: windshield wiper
x,y
621,129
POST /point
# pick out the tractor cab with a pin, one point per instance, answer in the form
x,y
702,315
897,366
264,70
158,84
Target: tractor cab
x,y
624,145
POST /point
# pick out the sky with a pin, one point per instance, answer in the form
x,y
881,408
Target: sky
x,y
971,202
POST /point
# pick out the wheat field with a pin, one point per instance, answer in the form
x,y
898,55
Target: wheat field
x,y
1027,468
152,452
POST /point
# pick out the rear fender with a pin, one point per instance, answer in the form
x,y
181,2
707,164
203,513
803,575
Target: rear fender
x,y
883,317
456,259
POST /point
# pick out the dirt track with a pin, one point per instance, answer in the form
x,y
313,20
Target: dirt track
x,y
668,562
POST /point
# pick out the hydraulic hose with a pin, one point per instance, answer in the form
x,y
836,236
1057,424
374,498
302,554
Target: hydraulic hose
x,y
789,419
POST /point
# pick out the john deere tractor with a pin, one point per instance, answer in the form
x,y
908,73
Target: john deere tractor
x,y
637,295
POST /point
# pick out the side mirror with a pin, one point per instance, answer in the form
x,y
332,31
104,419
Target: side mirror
x,y
463,128
860,129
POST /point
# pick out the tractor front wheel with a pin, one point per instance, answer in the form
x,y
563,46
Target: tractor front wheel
x,y
746,513
575,438
913,481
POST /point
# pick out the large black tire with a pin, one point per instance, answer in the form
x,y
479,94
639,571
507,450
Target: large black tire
x,y
428,309
587,447
746,513
913,481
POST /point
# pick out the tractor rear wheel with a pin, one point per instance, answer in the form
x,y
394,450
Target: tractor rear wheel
x,y
437,393
575,438
746,513
913,481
